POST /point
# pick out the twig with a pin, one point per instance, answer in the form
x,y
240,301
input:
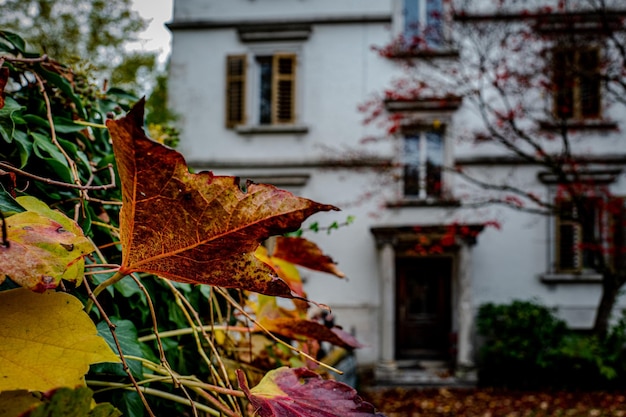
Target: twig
x,y
61,183
156,393
93,299
101,287
190,330
270,334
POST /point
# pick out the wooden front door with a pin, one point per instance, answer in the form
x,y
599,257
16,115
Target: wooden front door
x,y
423,307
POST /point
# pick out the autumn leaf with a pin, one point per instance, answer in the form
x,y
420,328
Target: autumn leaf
x,y
286,271
46,341
305,253
44,246
286,392
196,228
66,402
4,77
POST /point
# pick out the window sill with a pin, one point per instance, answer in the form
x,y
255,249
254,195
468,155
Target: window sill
x,y
271,129
427,202
587,277
403,53
579,125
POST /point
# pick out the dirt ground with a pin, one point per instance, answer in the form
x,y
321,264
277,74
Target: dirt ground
x,y
459,402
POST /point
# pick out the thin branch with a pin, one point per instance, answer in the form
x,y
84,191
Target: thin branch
x,y
93,299
190,330
49,181
156,393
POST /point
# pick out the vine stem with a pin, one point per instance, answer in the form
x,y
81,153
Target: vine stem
x,y
197,386
270,334
92,298
156,393
49,181
190,330
101,287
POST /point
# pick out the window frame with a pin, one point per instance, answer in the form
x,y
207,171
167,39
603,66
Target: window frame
x,y
422,166
578,78
433,32
252,98
603,219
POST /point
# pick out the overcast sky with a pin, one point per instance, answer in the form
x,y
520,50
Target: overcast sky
x,y
156,37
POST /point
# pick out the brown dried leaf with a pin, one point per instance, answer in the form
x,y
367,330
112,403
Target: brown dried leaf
x,y
196,228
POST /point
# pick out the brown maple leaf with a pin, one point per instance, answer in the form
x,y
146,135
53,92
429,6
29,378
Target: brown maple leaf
x,y
196,228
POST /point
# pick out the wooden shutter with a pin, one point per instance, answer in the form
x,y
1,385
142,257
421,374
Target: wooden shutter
x,y
563,83
589,83
235,90
283,88
568,238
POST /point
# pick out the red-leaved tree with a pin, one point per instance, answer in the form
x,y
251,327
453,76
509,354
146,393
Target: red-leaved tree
x,y
538,86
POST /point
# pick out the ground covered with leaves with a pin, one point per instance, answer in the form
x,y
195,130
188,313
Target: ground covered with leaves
x,y
432,402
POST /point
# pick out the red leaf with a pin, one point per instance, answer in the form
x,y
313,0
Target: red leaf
x,y
305,253
196,228
286,392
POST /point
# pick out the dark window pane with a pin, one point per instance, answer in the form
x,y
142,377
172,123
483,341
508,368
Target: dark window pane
x,y
589,83
568,247
563,61
434,162
265,89
411,161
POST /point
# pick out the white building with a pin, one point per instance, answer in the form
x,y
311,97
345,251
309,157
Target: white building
x,y
270,90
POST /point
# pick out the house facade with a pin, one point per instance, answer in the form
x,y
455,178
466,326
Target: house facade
x,y
279,91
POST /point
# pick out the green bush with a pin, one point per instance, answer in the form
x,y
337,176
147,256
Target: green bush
x,y
526,346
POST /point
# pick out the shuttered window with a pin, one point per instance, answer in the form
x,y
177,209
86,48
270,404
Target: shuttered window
x,y
580,236
576,78
273,102
235,90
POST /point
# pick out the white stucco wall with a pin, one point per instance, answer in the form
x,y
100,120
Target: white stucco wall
x,y
336,72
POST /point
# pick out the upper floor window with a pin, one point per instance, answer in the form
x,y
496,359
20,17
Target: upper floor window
x,y
423,23
273,101
576,83
423,161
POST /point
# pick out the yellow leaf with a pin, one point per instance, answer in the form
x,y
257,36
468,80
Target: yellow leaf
x,y
16,403
46,341
44,247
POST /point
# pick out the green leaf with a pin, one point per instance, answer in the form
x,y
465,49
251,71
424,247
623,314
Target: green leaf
x,y
9,119
8,205
129,403
14,40
65,125
127,336
24,145
65,86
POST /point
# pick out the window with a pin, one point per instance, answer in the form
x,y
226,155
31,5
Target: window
x,y
423,23
576,83
423,161
580,238
274,101
577,233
